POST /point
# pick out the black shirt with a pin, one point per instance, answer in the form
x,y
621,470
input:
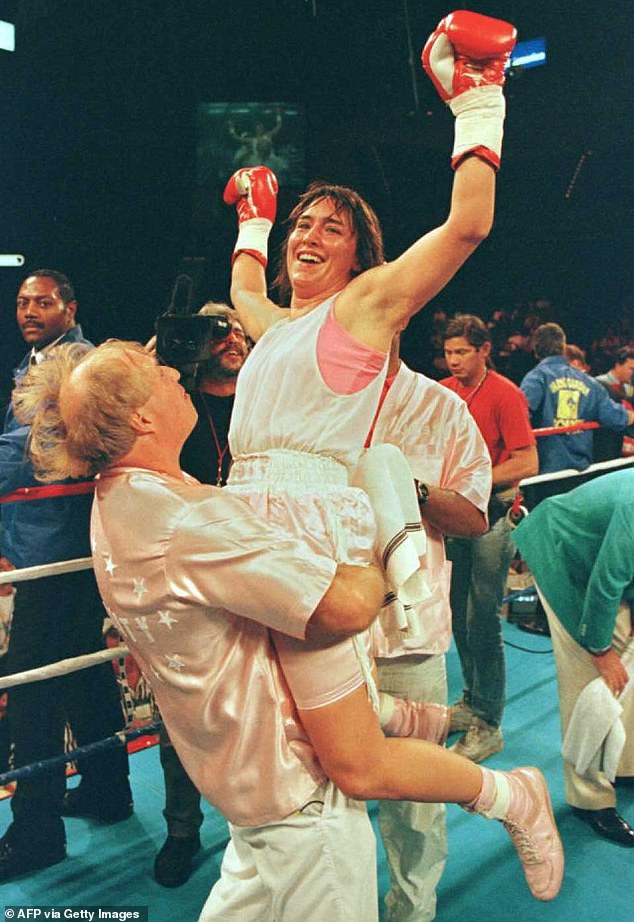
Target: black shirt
x,y
206,453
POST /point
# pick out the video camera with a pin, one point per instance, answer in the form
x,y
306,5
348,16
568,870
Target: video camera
x,y
183,339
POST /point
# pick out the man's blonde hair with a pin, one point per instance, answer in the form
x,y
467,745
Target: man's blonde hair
x,y
78,403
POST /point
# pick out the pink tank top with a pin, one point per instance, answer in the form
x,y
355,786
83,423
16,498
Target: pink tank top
x,y
346,364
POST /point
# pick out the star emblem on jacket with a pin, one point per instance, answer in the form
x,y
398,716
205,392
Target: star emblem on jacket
x,y
174,661
139,589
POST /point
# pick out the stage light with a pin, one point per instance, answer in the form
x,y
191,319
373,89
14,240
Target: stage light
x,y
528,54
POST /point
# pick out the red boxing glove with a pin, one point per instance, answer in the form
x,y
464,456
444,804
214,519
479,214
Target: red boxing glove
x,y
466,51
466,58
253,190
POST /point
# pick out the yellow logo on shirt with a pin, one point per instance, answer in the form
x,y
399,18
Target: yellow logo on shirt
x,y
568,391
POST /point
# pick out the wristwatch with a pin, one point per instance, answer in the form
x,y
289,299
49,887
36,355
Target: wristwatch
x,y
422,492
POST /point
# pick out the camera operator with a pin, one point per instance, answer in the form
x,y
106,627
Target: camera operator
x,y
206,453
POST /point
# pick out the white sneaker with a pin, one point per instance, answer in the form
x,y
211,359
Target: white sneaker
x,y
480,741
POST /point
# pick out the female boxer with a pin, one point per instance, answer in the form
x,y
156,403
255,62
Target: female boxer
x,y
305,403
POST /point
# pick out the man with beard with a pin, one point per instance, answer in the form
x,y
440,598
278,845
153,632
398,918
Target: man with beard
x,y
206,456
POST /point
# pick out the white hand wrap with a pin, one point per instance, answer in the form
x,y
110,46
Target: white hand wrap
x,y
479,122
253,237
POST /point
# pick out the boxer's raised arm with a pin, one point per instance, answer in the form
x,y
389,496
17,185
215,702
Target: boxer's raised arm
x,y
465,58
254,193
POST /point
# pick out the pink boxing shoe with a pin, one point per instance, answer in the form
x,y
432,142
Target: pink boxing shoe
x,y
529,821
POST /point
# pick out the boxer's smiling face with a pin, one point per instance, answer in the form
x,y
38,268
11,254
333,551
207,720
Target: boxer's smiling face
x,y
322,250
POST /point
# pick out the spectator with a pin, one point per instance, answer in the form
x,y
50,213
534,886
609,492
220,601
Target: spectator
x,y
514,359
560,395
576,357
605,347
619,380
618,383
480,564
54,617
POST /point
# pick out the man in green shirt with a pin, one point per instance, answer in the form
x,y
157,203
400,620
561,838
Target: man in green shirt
x,y
580,549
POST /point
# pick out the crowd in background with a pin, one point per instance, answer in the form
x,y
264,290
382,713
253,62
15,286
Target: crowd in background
x,y
512,331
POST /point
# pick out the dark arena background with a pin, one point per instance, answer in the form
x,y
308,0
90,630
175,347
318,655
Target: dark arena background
x,y
120,122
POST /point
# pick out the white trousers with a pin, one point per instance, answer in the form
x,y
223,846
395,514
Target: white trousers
x,y
316,865
575,669
414,834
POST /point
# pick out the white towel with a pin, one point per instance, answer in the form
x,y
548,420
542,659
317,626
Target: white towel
x,y
384,474
596,736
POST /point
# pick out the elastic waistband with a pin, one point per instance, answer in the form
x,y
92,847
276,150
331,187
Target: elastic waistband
x,y
283,468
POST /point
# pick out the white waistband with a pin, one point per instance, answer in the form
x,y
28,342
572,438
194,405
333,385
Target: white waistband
x,y
281,467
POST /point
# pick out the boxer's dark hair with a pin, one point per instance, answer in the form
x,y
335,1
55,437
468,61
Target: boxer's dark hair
x,y
364,220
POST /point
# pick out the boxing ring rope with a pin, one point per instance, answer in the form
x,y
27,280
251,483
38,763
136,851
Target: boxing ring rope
x,y
49,491
596,468
63,667
614,464
46,569
122,738
562,430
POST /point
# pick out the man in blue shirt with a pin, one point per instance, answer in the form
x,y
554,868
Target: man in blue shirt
x,y
559,394
54,617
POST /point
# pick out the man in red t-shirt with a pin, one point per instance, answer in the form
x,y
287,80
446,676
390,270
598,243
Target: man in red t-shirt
x,y
480,565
